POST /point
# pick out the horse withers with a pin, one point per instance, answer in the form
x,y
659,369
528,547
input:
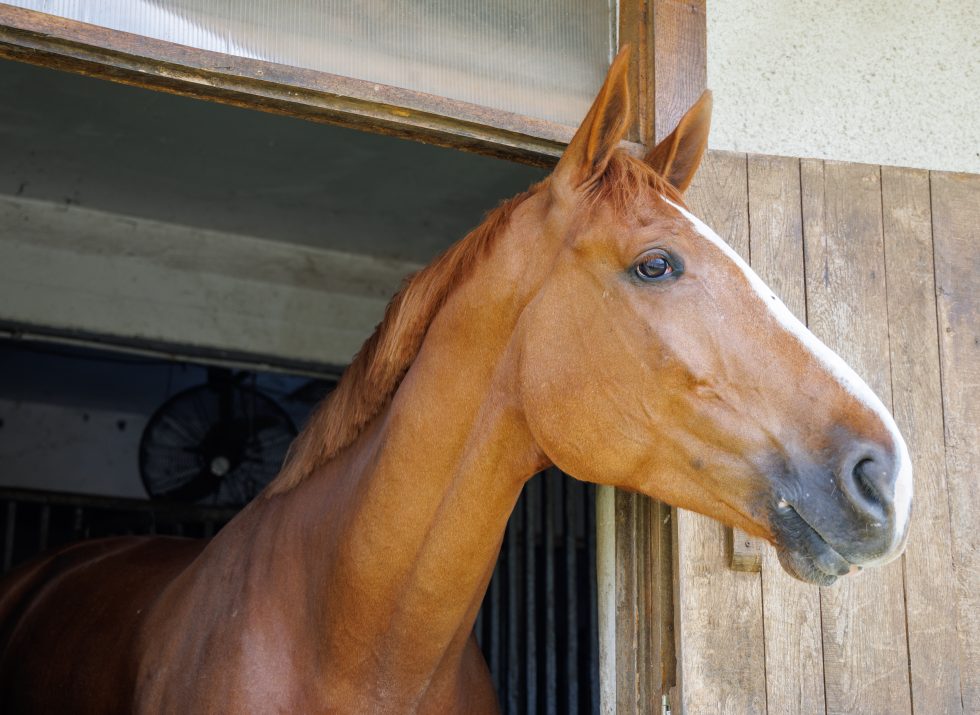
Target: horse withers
x,y
592,323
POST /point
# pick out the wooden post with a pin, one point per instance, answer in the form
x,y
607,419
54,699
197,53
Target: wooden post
x,y
669,74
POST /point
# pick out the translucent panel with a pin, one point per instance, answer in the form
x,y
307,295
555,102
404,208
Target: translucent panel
x,y
542,58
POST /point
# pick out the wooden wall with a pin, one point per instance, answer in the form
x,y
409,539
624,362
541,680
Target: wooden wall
x,y
884,265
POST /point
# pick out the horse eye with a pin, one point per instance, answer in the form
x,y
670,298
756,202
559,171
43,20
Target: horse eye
x,y
654,267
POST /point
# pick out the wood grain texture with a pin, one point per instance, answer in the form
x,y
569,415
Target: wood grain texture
x,y
955,222
628,603
680,59
636,30
794,649
746,551
721,656
644,647
664,85
914,355
864,642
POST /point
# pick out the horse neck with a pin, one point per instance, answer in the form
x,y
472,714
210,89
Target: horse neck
x,y
402,531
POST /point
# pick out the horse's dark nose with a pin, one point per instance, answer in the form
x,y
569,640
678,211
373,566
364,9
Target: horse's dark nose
x,y
868,481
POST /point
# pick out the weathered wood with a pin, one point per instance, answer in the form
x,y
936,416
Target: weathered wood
x,y
794,653
665,83
605,509
665,658
955,222
746,551
174,289
636,30
680,59
47,40
914,355
721,659
864,643
629,631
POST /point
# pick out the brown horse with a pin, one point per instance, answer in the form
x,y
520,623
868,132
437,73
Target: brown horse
x,y
590,323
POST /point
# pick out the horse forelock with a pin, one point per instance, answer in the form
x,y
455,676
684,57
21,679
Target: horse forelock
x,y
627,182
370,382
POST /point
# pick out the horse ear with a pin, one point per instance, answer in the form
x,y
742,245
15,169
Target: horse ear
x,y
677,157
603,128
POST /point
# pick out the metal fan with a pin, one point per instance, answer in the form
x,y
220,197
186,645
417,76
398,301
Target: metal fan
x,y
218,443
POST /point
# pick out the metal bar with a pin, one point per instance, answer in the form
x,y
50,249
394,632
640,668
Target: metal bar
x,y
176,511
494,630
478,629
550,486
531,516
44,528
8,542
572,676
512,615
78,520
590,541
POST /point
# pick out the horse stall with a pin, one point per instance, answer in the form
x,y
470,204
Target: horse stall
x,y
152,245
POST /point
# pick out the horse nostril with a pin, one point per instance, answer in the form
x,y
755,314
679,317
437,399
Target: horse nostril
x,y
871,483
864,478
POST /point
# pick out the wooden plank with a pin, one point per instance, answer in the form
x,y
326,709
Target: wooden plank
x,y
645,657
71,271
794,652
916,400
864,642
746,551
680,59
956,216
643,649
636,30
629,631
605,510
720,654
50,41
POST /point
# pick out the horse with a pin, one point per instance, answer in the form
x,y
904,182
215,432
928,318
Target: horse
x,y
591,323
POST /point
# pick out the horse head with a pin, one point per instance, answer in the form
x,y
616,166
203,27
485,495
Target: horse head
x,y
654,359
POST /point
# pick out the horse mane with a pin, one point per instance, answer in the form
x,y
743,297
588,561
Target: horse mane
x,y
375,373
377,369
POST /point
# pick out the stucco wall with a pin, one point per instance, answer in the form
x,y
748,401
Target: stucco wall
x,y
859,80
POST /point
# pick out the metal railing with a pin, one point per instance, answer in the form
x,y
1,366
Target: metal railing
x,y
538,624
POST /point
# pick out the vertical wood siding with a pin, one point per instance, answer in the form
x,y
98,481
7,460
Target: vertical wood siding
x,y
884,266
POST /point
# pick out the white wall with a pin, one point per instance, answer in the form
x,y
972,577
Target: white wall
x,y
885,82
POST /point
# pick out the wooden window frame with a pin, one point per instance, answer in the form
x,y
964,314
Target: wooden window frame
x,y
52,41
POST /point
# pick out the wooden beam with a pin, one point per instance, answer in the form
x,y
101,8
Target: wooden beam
x,y
955,217
680,59
668,76
80,274
51,41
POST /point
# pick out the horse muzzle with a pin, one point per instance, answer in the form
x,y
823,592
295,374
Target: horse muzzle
x,y
830,522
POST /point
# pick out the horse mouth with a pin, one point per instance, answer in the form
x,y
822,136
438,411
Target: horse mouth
x,y
804,553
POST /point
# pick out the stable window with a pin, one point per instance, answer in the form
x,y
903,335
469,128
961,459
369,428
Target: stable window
x,y
510,80
544,59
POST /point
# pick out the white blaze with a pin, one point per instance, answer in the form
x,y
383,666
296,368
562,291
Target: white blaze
x,y
843,372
